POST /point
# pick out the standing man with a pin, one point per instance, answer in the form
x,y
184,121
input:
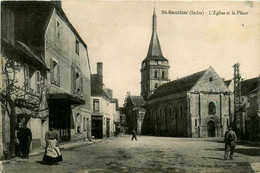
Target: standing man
x,y
25,138
230,143
134,135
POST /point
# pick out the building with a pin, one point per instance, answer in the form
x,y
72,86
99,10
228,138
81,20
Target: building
x,y
154,68
134,112
23,88
248,110
198,105
103,106
116,117
66,55
57,54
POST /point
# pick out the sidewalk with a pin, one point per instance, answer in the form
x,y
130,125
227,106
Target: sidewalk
x,y
63,146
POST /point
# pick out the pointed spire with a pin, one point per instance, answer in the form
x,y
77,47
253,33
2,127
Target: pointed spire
x,y
154,51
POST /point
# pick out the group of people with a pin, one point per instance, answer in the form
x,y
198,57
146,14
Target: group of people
x,y
52,154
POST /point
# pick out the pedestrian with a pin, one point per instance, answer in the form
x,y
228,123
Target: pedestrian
x,y
230,143
52,153
134,135
24,141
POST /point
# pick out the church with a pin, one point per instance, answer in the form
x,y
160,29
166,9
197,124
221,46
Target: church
x,y
197,105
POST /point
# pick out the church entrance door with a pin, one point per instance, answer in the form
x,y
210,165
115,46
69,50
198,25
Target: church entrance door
x,y
211,129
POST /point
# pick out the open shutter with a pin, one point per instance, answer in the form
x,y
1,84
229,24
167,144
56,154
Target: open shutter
x,y
73,79
58,74
52,71
81,84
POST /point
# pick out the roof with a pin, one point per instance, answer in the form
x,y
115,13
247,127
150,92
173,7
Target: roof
x,y
227,82
249,85
65,97
138,101
180,85
24,54
31,20
154,51
97,87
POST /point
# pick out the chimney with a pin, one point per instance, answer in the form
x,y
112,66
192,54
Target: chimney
x,y
100,71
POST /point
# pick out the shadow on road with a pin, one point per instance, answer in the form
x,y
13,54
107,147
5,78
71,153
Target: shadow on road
x,y
214,158
249,151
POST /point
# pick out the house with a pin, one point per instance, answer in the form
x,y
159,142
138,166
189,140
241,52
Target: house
x,y
198,105
58,55
134,112
23,88
103,106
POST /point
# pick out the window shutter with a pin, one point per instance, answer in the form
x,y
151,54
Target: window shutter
x,y
73,80
58,74
81,85
52,72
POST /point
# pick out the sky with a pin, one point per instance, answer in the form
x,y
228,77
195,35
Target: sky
x,y
118,34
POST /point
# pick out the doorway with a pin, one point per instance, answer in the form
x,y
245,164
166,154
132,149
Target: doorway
x,y
211,129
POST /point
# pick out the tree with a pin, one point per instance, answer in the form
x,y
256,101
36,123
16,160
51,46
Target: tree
x,y
15,95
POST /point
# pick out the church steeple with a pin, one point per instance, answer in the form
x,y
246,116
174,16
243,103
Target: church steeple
x,y
154,69
154,51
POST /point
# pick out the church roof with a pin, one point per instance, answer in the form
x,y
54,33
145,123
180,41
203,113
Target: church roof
x,y
154,51
177,86
138,101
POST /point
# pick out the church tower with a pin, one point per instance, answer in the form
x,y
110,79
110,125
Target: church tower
x,y
154,68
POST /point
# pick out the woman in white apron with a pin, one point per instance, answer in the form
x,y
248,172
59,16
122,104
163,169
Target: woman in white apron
x,y
52,153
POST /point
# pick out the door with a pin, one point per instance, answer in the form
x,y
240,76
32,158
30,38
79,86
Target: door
x,y
211,129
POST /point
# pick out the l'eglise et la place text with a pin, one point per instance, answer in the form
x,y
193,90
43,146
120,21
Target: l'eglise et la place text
x,y
219,12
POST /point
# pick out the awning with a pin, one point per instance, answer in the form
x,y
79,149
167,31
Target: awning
x,y
66,98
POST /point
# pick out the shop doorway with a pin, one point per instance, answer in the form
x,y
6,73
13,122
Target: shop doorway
x,y
97,127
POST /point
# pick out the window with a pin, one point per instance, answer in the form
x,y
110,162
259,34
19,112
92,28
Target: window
x,y
84,124
156,85
77,47
195,122
163,74
211,79
156,74
160,112
55,72
170,111
212,108
26,78
95,105
227,123
38,82
58,30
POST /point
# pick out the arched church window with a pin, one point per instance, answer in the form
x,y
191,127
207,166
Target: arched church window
x,y
156,74
163,74
212,108
156,85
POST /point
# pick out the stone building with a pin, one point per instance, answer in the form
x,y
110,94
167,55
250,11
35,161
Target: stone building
x,y
154,68
134,112
103,106
198,105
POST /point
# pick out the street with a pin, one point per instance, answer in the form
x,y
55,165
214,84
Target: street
x,y
148,154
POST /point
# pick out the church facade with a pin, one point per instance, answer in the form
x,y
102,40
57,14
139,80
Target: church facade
x,y
198,105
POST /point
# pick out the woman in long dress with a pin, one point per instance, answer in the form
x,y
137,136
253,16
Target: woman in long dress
x,y
52,152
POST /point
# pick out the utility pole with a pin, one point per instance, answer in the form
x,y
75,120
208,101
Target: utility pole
x,y
237,96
